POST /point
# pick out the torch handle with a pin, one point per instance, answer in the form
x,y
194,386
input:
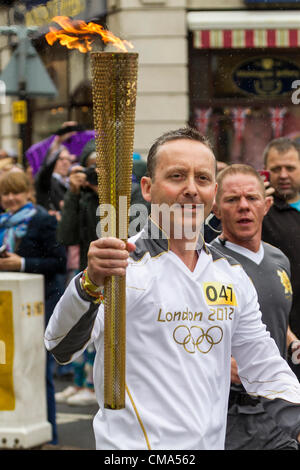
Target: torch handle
x,y
114,349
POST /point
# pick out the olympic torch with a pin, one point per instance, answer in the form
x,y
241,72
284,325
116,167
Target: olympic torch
x,y
114,83
114,78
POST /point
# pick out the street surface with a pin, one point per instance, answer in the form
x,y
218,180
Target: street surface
x,y
74,424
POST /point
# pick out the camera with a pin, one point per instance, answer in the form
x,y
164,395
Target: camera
x,y
67,129
91,175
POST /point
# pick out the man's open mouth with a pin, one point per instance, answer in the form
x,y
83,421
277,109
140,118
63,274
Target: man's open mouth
x,y
244,221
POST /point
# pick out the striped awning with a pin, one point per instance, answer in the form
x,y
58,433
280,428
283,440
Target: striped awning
x,y
244,29
241,38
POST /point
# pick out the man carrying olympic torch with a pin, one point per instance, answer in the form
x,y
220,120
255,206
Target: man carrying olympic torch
x,y
188,309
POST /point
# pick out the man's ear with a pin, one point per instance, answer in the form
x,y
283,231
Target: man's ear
x,y
268,203
146,184
215,210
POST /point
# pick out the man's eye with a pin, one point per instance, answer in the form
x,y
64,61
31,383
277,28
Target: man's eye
x,y
176,175
201,178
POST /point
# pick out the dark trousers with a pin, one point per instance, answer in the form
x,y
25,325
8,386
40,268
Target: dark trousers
x,y
50,302
255,432
51,406
295,368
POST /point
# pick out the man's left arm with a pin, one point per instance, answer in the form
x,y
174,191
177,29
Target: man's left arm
x,y
293,346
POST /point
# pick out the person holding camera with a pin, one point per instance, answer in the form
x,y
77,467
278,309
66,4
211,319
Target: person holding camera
x,y
51,181
78,217
77,226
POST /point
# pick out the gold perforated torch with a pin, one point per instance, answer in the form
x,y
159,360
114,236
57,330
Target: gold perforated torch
x,y
114,97
114,81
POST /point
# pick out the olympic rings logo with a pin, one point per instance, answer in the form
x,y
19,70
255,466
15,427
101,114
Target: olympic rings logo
x,y
195,338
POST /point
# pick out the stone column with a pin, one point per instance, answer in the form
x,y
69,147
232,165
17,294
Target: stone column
x,y
157,29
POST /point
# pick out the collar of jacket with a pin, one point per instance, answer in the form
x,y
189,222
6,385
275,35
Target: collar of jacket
x,y
155,233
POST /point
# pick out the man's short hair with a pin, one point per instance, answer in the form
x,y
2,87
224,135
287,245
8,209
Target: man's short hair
x,y
178,134
282,145
235,169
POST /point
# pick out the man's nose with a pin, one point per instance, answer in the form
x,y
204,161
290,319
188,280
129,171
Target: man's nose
x,y
243,203
283,173
191,187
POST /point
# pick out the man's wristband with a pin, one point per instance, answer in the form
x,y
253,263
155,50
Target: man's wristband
x,y
91,289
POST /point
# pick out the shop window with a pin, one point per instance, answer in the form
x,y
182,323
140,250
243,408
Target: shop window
x,y
241,99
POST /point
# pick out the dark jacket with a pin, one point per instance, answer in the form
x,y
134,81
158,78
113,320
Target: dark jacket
x,y
281,228
44,255
79,221
50,191
212,228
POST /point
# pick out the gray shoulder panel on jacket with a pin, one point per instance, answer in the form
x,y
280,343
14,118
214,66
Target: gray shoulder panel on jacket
x,y
80,334
218,254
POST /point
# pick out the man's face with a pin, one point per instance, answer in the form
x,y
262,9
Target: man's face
x,y
241,207
285,173
184,175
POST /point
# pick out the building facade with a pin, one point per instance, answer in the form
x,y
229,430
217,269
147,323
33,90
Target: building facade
x,y
227,67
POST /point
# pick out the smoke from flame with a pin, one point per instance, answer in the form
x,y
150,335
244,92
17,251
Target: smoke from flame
x,y
76,34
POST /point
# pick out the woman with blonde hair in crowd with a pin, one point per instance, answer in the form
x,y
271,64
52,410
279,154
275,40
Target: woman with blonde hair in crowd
x,y
29,235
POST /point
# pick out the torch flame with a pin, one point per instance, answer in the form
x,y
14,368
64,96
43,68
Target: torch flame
x,y
80,35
